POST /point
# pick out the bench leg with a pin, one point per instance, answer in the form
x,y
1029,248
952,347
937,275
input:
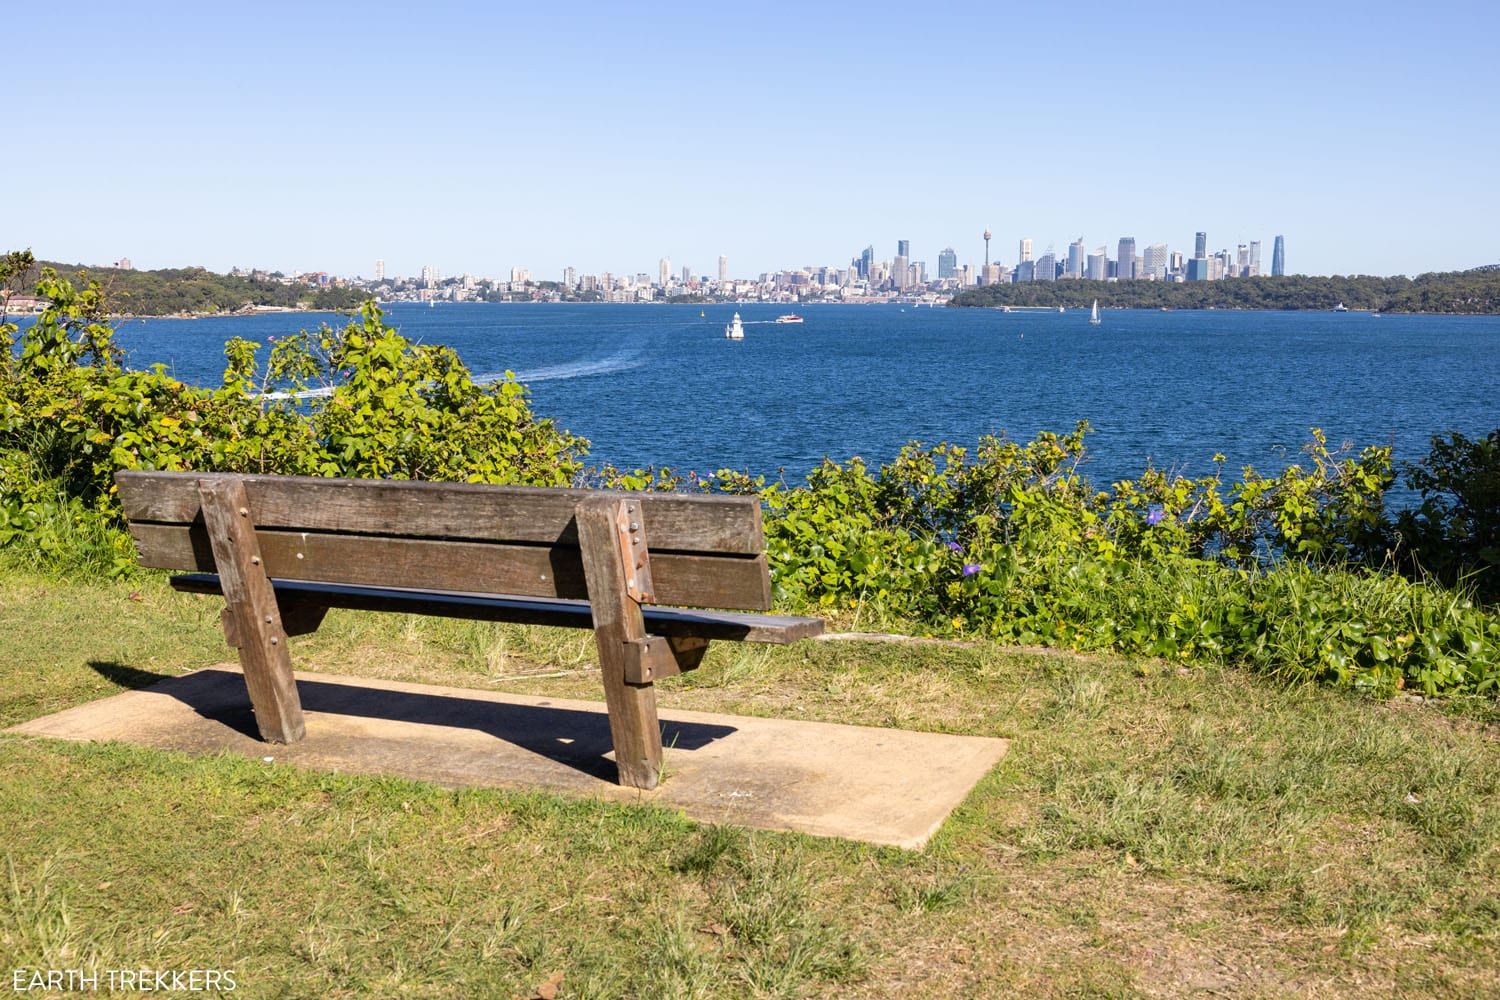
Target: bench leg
x,y
252,621
617,620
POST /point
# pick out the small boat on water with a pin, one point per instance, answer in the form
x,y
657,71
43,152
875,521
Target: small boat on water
x,y
1340,308
789,318
735,330
1094,316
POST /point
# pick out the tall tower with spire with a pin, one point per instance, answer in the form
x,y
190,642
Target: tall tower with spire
x,y
987,235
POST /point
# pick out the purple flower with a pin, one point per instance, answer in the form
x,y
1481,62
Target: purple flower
x,y
1154,516
970,569
955,547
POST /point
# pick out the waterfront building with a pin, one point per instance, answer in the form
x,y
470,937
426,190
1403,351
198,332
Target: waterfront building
x,y
1278,257
1125,269
1200,245
380,270
1046,267
1076,255
1098,265
1025,252
520,275
947,263
430,276
1154,263
570,277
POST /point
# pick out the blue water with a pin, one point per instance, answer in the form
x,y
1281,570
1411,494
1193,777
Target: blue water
x,y
659,384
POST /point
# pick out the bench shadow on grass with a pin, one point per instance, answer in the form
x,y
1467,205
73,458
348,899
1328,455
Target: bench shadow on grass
x,y
577,739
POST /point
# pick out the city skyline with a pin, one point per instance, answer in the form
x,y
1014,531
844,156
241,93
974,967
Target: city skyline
x,y
611,138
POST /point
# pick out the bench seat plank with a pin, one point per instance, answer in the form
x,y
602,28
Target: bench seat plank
x,y
713,581
729,525
664,621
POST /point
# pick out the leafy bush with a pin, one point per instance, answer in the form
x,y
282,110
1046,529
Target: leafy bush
x,y
1455,532
1014,544
362,401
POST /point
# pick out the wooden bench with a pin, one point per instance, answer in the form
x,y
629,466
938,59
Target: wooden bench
x,y
283,550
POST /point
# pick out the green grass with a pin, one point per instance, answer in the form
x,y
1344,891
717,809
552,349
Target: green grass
x,y
1154,831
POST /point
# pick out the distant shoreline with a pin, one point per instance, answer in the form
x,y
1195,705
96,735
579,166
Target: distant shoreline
x,y
1020,310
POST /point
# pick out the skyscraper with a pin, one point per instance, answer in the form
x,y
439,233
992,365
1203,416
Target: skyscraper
x,y
899,271
1255,258
723,267
1278,257
903,249
1098,265
1046,267
1076,255
1154,263
664,271
947,263
380,270
1200,245
866,261
1125,266
1025,251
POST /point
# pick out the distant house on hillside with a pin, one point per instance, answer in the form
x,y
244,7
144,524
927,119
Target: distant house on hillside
x,y
12,302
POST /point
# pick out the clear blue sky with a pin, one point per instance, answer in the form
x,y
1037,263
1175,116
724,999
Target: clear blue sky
x,y
605,136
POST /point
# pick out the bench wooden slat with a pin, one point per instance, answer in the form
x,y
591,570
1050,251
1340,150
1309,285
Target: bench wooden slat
x,y
740,582
728,625
468,511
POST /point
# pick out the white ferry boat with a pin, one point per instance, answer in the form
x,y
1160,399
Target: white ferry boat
x,y
735,330
789,318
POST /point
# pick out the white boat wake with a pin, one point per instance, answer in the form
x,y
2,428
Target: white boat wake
x,y
620,361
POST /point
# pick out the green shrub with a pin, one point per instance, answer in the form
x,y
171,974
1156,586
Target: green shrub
x,y
1014,544
1455,532
380,406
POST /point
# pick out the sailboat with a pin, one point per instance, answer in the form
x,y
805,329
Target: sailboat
x,y
735,330
1094,316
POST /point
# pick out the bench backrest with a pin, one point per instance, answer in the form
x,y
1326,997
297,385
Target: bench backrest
x,y
705,551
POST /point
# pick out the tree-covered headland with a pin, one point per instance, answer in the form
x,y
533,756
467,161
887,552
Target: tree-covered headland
x,y
1475,292
192,291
